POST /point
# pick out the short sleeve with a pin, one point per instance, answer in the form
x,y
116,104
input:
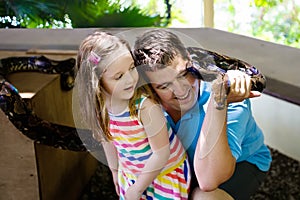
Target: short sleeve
x,y
238,115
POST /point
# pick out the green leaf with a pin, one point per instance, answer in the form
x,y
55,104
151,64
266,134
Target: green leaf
x,y
127,18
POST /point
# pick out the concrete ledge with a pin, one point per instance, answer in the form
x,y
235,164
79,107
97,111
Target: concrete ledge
x,y
283,91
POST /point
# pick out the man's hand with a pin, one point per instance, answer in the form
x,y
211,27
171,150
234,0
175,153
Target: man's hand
x,y
240,86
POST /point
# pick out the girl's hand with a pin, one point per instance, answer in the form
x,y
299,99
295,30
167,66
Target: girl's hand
x,y
133,193
115,180
240,86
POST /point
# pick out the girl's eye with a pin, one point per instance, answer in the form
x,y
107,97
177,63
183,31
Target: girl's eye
x,y
119,77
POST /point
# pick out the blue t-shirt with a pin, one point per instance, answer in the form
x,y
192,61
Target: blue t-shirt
x,y
245,138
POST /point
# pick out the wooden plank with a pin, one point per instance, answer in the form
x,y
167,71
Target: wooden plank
x,y
63,174
52,52
55,54
18,174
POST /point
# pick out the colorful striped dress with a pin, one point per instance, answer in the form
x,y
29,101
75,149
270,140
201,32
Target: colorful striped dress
x,y
133,148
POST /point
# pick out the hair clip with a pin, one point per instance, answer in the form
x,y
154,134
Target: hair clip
x,y
94,58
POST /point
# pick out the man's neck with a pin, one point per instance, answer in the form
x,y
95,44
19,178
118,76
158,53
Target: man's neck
x,y
174,114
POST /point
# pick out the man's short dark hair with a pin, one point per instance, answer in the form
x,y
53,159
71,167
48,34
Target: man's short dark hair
x,y
157,48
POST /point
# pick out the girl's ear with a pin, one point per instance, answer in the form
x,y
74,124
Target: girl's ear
x,y
102,89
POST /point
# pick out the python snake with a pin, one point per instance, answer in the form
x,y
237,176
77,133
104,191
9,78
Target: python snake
x,y
207,65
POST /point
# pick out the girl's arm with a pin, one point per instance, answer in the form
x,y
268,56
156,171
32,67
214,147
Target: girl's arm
x,y
112,161
154,123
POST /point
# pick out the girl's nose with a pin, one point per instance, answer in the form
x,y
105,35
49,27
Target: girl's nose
x,y
129,77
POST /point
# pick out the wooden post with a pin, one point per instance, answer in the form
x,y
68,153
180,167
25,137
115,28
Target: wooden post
x,y
208,13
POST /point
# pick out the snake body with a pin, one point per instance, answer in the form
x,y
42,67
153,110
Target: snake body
x,y
41,64
22,117
210,64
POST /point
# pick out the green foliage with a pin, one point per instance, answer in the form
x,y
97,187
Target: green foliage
x,y
281,24
272,20
81,13
267,3
29,13
105,14
129,17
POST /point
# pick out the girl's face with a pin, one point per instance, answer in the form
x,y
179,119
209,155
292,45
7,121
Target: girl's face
x,y
120,78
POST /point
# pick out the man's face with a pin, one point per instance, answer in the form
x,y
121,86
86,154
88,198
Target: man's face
x,y
178,90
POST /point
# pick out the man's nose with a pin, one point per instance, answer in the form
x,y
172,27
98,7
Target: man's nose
x,y
178,87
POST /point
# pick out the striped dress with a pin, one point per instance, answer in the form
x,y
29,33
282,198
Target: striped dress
x,y
133,148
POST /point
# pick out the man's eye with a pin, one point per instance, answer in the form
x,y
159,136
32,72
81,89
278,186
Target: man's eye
x,y
185,73
132,68
182,75
163,87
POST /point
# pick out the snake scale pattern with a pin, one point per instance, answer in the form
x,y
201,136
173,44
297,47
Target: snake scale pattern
x,y
209,64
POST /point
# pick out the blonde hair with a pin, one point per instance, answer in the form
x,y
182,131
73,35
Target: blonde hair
x,y
106,47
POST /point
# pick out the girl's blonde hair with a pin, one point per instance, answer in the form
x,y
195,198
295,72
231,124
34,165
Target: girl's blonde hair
x,y
96,52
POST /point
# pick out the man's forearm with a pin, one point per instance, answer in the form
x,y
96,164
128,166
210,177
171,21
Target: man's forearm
x,y
213,161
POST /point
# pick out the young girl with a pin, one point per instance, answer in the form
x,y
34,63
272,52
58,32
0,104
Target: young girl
x,y
146,159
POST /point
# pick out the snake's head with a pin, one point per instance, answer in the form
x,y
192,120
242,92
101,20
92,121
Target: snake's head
x,y
205,71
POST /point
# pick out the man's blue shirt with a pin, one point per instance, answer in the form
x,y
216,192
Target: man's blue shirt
x,y
245,138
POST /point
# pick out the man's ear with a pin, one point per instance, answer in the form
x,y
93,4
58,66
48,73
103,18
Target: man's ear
x,y
189,55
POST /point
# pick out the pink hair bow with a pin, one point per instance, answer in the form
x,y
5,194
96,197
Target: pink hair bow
x,y
94,58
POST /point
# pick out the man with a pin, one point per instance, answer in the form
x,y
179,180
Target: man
x,y
225,146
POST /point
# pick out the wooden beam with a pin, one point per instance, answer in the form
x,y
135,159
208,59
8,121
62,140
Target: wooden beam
x,y
52,52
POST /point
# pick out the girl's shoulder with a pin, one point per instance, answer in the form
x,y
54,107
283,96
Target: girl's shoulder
x,y
144,101
148,106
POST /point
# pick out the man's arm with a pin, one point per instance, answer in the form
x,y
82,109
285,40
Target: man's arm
x,y
213,161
